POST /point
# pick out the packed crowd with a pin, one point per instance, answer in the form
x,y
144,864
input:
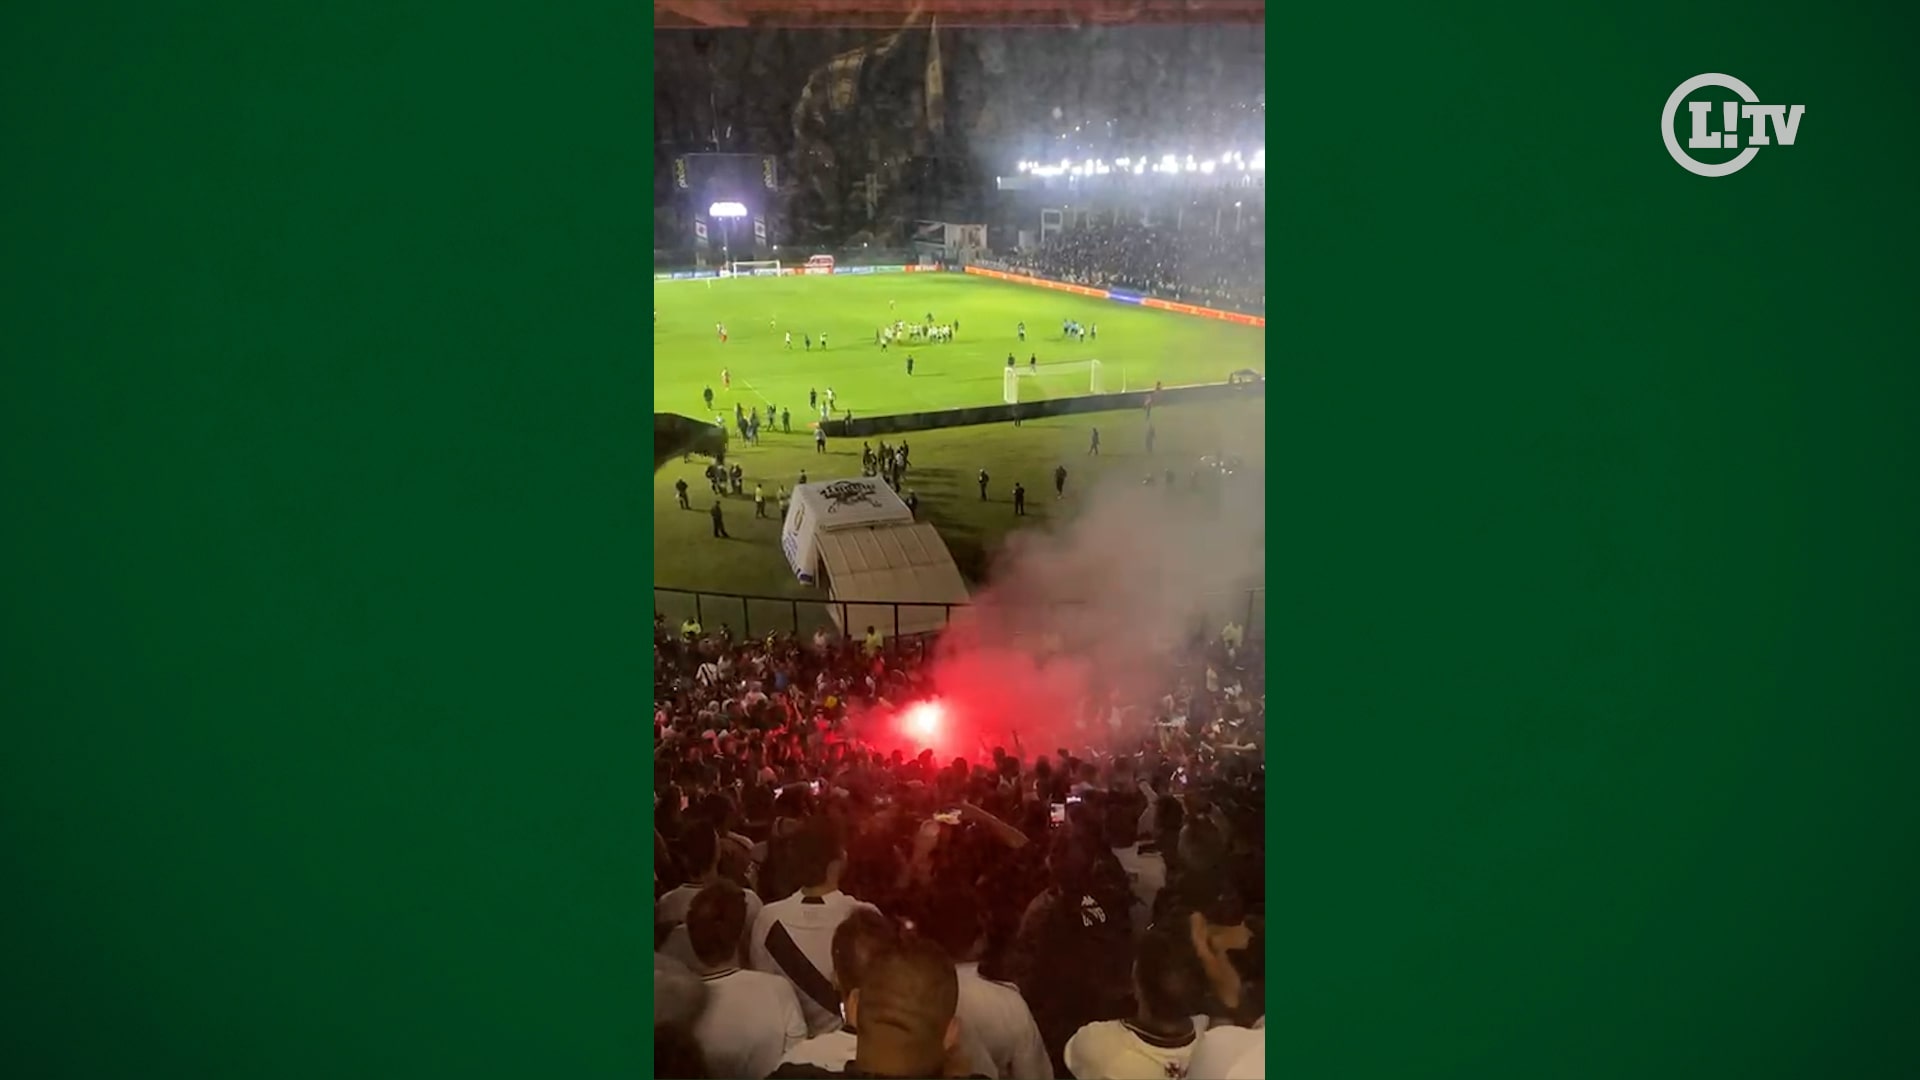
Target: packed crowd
x,y
1195,266
831,907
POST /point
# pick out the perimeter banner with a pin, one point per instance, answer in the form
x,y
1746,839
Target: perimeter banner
x,y
1122,297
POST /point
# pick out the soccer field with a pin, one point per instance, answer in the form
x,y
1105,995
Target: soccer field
x,y
1135,346
945,463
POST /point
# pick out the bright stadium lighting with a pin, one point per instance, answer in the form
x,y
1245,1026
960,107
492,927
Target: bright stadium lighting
x,y
727,210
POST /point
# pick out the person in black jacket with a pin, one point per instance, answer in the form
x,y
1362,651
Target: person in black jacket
x,y
1072,955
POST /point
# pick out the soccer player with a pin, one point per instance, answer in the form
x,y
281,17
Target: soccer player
x,y
786,422
909,363
726,379
983,485
823,341
1093,447
707,395
1022,329
1019,500
789,339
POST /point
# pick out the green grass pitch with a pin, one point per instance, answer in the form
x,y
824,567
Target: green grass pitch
x,y
1145,344
1135,347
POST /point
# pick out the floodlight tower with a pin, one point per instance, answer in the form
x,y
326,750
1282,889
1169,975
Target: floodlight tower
x,y
726,213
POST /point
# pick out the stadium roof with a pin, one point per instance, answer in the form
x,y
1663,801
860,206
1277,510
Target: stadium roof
x,y
835,14
900,563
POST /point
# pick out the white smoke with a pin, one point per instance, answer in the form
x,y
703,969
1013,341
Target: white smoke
x,y
1096,605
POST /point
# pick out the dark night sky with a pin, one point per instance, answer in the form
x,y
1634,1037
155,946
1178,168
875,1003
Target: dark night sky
x,y
1155,86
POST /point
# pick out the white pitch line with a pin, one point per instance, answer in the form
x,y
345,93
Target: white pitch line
x,y
756,393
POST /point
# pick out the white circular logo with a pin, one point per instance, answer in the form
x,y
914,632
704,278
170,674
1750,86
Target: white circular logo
x,y
1672,110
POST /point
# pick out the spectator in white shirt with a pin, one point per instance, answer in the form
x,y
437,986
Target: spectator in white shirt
x,y
1230,1053
991,1013
793,936
751,1018
903,1012
1157,1042
859,938
699,851
863,936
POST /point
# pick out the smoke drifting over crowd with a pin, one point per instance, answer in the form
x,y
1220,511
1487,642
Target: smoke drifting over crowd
x,y
1076,615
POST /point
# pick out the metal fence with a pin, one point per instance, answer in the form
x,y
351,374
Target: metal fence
x,y
749,614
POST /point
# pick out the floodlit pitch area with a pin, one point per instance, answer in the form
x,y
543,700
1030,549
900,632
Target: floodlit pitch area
x,y
1148,344
1135,345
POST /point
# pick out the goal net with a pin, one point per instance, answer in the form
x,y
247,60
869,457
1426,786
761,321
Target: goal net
x,y
755,268
1070,378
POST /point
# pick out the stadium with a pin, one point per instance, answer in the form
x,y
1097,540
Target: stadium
x,y
959,376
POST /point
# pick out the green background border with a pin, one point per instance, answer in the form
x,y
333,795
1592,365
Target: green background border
x,y
326,666
1597,556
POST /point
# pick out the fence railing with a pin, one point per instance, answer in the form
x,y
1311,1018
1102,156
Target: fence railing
x,y
801,615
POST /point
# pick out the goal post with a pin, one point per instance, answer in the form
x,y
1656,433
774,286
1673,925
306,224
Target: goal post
x,y
1010,384
754,268
1064,379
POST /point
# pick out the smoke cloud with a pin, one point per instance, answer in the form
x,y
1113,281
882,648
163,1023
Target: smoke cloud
x,y
1093,607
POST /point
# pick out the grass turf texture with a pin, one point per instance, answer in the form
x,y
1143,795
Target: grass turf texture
x,y
688,357
945,464
1136,345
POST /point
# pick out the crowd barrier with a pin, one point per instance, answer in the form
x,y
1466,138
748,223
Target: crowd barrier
x,y
863,426
1120,296
748,615
794,271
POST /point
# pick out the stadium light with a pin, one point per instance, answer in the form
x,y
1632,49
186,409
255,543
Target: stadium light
x,y
727,210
